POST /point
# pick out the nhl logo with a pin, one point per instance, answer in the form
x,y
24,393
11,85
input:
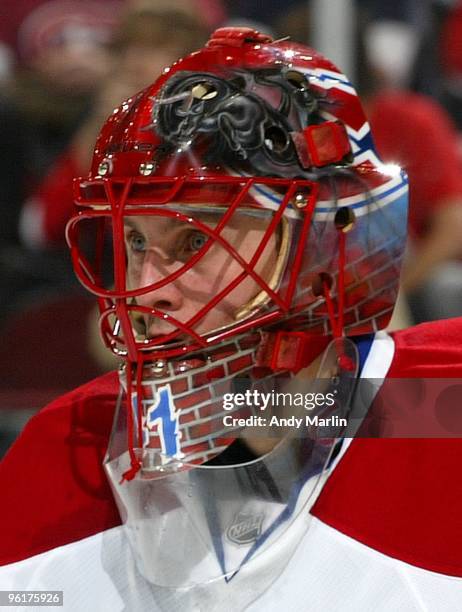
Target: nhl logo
x,y
245,528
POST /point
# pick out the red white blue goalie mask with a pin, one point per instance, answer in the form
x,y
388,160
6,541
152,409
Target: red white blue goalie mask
x,y
236,215
235,220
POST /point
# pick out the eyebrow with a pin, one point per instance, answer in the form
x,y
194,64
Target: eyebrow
x,y
201,216
131,222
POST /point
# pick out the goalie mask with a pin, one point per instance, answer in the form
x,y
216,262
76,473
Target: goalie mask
x,y
236,219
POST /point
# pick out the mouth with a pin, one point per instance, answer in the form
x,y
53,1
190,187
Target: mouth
x,y
149,330
159,341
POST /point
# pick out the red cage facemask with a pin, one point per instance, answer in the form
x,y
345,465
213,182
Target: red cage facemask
x,y
236,217
190,274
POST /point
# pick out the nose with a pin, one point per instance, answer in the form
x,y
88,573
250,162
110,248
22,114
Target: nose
x,y
168,298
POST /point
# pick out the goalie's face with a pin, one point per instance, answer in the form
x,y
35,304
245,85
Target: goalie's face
x,y
158,250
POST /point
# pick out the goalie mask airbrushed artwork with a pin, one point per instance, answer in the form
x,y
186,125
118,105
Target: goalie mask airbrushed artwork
x,y
236,220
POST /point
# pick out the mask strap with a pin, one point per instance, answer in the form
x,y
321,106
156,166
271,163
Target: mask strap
x,y
336,321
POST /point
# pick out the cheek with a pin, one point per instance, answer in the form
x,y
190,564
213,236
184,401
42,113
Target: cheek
x,y
133,274
266,261
209,277
138,273
220,268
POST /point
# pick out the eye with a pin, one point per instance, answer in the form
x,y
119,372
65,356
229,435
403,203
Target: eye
x,y
196,241
136,242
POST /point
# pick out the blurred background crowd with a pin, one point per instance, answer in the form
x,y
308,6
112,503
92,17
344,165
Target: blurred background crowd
x,y
65,64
